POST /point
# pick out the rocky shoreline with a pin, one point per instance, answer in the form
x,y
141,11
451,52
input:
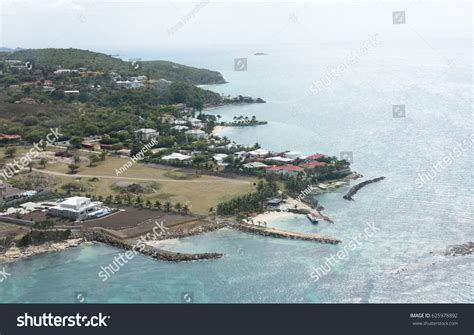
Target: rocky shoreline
x,y
15,253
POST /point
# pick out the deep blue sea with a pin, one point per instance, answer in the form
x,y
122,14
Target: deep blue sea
x,y
401,262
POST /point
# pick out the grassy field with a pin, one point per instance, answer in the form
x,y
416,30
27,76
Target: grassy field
x,y
198,192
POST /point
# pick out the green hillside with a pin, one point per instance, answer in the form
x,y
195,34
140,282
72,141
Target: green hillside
x,y
50,59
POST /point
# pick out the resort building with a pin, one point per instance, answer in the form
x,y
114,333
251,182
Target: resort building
x,y
79,208
279,159
196,133
293,154
313,164
259,153
314,157
196,123
177,156
255,165
219,159
180,128
286,170
146,134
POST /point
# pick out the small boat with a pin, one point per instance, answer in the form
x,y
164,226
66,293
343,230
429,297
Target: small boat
x,y
313,217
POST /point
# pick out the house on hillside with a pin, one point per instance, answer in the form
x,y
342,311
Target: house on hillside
x,y
195,133
146,134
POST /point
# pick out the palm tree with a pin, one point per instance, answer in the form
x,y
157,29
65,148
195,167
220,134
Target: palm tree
x,y
167,206
138,201
178,207
148,203
158,205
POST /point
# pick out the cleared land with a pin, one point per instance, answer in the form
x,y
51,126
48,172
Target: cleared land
x,y
198,192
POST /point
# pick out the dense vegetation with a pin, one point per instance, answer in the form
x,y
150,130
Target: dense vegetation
x,y
248,203
50,59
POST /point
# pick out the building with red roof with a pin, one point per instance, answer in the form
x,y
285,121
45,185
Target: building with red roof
x,y
313,164
9,137
315,157
288,170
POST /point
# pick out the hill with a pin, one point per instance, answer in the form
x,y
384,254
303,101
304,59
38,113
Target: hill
x,y
51,59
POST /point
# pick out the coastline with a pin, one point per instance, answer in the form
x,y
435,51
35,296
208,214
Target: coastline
x,y
218,130
14,253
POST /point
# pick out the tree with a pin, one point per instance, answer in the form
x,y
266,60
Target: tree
x,y
148,203
43,162
103,154
10,152
158,205
93,160
167,206
73,168
138,201
178,207
30,165
77,159
76,141
185,209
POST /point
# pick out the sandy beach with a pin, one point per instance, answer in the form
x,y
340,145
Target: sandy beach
x,y
270,217
218,129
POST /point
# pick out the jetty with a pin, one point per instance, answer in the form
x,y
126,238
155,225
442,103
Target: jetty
x,y
356,188
148,250
278,233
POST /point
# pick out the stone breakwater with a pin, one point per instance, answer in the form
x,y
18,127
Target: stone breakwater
x,y
150,251
357,187
272,232
460,249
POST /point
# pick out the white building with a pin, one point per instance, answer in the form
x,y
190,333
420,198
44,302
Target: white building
x,y
196,123
79,208
279,159
259,153
177,156
255,165
146,134
293,154
180,128
196,133
219,158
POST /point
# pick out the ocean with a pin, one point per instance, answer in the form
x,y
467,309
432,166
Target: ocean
x,y
421,208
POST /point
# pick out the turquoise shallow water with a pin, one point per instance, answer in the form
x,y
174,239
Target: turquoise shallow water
x,y
354,113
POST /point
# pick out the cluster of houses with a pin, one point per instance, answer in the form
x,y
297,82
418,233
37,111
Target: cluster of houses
x,y
129,83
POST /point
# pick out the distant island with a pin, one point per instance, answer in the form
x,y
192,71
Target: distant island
x,y
260,54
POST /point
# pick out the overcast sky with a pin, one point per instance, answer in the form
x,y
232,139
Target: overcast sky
x,y
108,25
